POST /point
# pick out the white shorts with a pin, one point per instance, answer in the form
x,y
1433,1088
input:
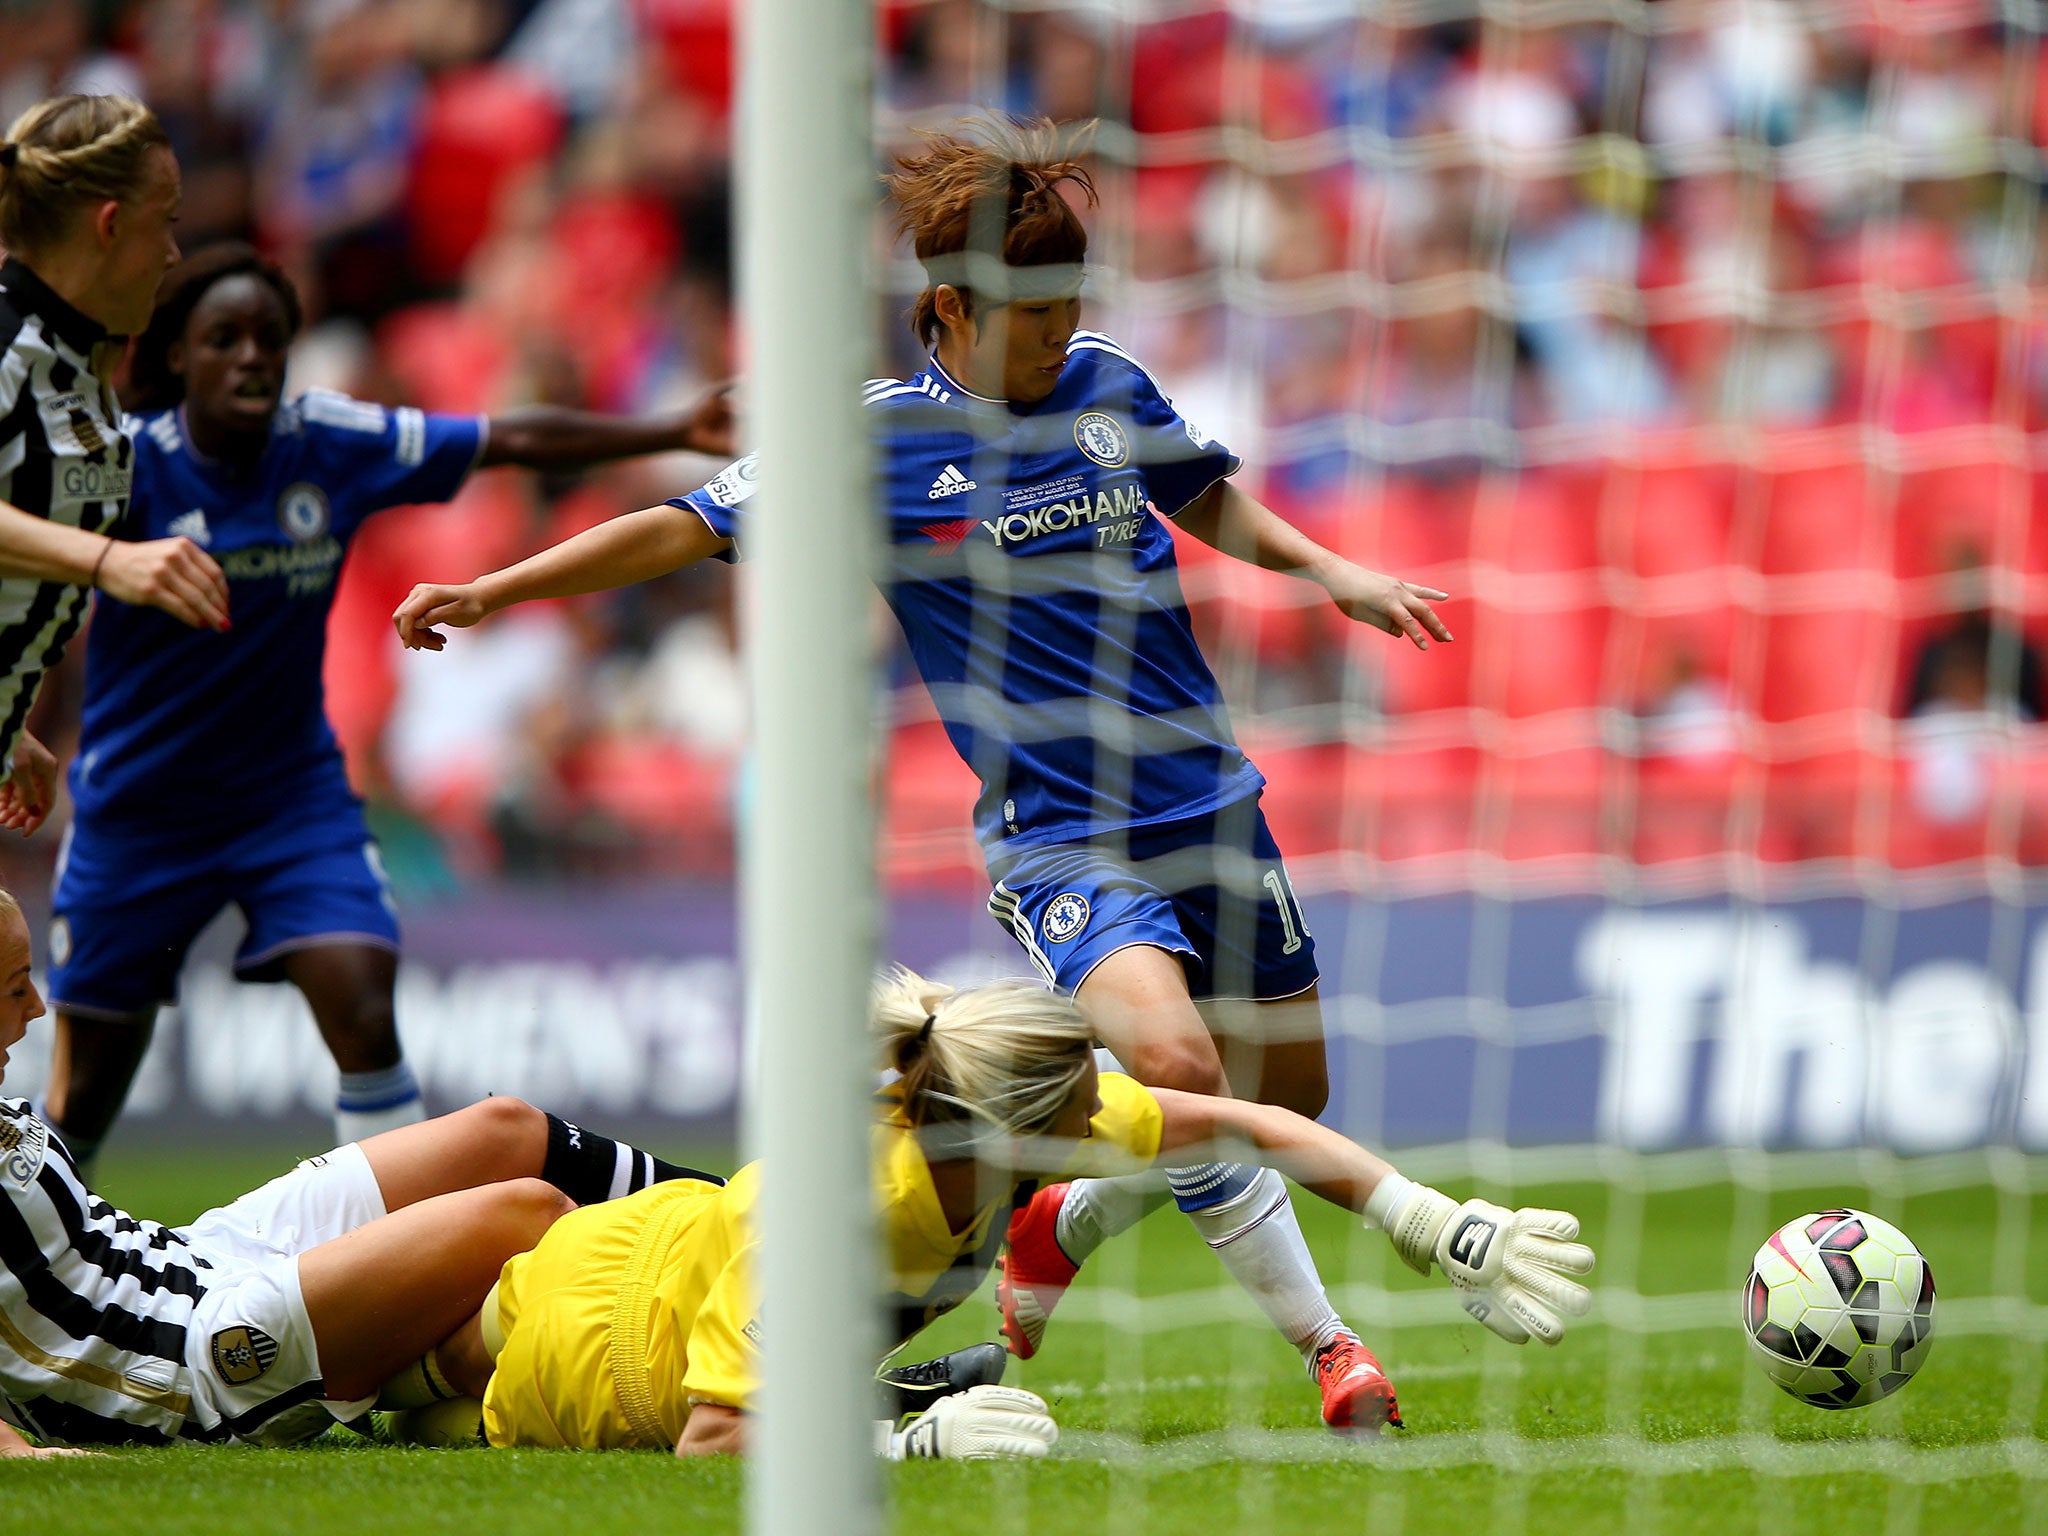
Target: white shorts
x,y
254,1366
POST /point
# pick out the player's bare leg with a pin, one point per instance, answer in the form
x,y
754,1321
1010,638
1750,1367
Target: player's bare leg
x,y
503,1138
92,1066
1273,1053
1138,1001
490,1141
350,989
383,1295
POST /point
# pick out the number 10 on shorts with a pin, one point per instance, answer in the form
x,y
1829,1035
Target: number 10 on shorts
x,y
1293,925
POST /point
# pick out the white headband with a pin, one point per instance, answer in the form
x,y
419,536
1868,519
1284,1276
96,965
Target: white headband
x,y
998,282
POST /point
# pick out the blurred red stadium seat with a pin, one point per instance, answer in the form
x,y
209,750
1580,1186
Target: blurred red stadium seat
x,y
1649,656
1961,516
1811,806
1667,520
927,810
449,358
1310,804
1826,663
1681,807
1543,804
655,785
696,42
1548,523
1545,661
1419,799
1821,519
1416,531
481,127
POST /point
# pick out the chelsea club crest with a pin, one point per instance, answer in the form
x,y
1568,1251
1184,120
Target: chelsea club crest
x,y
1099,436
1065,915
302,512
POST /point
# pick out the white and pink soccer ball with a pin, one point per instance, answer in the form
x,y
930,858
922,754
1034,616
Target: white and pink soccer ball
x,y
1839,1308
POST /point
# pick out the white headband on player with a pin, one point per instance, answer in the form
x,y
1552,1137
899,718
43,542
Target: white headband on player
x,y
993,279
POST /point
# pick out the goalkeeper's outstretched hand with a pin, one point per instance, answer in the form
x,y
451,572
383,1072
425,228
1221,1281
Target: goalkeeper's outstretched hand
x,y
978,1425
1512,1270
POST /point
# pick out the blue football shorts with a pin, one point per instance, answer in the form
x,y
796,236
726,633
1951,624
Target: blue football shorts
x,y
1210,889
126,909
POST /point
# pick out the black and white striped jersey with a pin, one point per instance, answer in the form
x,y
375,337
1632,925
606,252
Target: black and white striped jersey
x,y
94,1303
63,456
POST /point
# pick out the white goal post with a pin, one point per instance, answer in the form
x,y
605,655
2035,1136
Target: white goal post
x,y
806,174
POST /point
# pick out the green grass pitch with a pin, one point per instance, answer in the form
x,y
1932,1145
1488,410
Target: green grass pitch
x,y
1184,1416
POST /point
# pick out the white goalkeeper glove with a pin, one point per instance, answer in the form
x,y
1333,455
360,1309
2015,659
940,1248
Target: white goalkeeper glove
x,y
976,1425
1512,1270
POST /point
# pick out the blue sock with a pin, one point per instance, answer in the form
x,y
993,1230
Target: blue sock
x,y
1203,1185
370,1103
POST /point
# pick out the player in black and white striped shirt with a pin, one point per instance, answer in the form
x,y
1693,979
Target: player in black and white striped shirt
x,y
257,1322
88,194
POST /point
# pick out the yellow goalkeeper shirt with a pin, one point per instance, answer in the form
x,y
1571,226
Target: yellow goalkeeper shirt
x,y
631,1311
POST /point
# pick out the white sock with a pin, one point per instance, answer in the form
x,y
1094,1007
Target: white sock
x,y
370,1103
1257,1237
1096,1210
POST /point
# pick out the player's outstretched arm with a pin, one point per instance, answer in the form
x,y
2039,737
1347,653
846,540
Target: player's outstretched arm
x,y
636,547
1514,1271
175,575
1244,528
550,437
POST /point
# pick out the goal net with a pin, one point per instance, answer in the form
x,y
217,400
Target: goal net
x,y
1695,349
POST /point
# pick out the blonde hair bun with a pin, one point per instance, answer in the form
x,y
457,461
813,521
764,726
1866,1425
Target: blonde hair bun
x,y
1008,1053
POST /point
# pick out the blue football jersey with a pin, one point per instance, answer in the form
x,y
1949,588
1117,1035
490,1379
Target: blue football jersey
x,y
1040,595
184,727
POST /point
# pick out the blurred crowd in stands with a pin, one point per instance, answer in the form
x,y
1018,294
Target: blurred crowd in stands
x,y
1698,350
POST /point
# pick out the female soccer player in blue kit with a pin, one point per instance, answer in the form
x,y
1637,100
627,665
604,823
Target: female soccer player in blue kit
x,y
1020,471
206,771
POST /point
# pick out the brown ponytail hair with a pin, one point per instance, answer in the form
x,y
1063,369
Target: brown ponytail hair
x,y
991,184
66,153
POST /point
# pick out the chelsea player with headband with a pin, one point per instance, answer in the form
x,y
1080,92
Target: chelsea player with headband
x,y
1021,471
206,771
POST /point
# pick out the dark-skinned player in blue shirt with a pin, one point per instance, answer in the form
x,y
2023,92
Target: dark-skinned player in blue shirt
x,y
1021,471
206,771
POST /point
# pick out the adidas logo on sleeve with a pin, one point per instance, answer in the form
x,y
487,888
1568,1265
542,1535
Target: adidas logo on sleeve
x,y
950,483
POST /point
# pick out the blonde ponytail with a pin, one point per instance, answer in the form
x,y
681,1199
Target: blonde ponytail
x,y
65,153
1007,1054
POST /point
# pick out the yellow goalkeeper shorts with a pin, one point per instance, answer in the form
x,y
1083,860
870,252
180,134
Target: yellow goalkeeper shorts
x,y
575,1314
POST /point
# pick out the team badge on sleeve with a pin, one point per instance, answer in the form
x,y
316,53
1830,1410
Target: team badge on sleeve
x,y
1098,436
242,1354
1065,915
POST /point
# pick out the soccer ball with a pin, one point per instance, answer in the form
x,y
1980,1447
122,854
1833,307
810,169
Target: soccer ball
x,y
1839,1308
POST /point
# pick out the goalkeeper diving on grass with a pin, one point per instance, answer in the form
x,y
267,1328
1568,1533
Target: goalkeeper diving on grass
x,y
636,1323
1029,472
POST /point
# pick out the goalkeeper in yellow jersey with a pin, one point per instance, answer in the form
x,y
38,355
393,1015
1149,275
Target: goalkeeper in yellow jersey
x,y
635,1323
